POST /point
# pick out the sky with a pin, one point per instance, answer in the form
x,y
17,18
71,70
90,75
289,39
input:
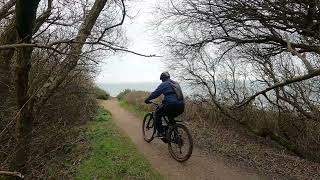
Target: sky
x,y
130,68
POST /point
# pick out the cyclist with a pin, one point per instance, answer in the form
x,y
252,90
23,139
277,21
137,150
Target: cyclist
x,y
173,103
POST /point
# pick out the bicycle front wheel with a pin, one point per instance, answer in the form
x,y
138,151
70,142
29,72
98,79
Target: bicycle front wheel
x,y
148,130
180,143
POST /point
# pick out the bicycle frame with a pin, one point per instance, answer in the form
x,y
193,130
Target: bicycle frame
x,y
172,135
166,118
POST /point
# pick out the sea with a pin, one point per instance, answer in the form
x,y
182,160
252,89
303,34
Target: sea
x,y
115,88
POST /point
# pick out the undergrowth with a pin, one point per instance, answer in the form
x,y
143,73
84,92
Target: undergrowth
x,y
109,154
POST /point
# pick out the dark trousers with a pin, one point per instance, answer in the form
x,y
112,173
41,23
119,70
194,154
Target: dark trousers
x,y
170,110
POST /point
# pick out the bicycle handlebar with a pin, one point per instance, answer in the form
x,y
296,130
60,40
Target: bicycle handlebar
x,y
156,104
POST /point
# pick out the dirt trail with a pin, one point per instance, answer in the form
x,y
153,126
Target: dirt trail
x,y
199,166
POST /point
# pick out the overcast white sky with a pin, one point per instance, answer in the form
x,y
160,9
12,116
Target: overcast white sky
x,y
131,68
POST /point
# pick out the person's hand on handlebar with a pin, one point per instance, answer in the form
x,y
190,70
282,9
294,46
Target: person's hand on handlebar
x,y
147,101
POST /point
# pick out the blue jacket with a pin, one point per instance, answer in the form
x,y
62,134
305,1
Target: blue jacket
x,y
168,92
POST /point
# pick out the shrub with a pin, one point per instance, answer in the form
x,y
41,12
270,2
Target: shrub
x,y
122,94
136,98
101,94
56,123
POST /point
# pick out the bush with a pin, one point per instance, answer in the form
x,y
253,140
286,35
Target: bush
x,y
136,98
55,125
101,94
121,95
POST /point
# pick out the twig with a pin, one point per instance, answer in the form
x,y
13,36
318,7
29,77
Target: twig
x,y
314,73
15,174
4,84
5,9
24,45
118,24
49,46
302,57
18,113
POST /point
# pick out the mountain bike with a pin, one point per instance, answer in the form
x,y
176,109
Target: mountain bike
x,y
177,135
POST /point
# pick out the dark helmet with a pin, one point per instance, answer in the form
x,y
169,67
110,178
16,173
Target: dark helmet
x,y
164,75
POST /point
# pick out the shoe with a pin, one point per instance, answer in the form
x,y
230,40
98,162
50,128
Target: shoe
x,y
164,140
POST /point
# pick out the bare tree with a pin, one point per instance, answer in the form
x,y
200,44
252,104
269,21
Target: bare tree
x,y
25,19
244,52
32,29
54,50
274,27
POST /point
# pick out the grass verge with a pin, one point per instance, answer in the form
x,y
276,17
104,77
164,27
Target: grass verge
x,y
134,109
111,154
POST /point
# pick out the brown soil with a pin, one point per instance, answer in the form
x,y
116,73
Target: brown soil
x,y
200,166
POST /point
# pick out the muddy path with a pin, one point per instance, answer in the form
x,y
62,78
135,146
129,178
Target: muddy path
x,y
199,166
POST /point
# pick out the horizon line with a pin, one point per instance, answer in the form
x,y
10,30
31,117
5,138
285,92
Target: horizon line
x,y
127,82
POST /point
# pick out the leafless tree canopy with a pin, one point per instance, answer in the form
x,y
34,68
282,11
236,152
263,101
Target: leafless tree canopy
x,y
49,51
262,54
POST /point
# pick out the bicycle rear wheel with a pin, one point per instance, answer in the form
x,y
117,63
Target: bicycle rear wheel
x,y
180,143
148,130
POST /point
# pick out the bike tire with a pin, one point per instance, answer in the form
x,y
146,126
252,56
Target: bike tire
x,y
146,120
190,140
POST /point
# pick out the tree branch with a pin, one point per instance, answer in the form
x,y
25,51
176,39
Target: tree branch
x,y
4,84
5,8
14,174
24,45
49,46
314,73
303,58
116,25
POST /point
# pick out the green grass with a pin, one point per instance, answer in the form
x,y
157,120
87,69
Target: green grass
x,y
112,155
134,109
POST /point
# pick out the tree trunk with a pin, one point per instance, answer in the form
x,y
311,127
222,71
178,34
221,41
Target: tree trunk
x,y
25,18
71,61
7,37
